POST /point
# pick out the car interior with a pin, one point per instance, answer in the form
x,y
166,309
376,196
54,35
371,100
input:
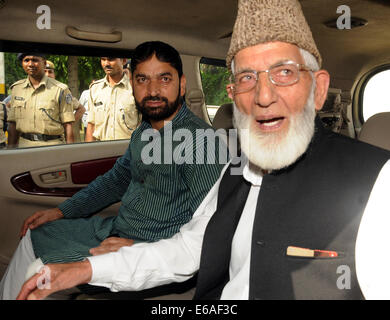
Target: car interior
x,y
351,35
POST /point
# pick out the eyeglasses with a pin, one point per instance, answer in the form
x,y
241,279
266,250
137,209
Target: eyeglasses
x,y
281,74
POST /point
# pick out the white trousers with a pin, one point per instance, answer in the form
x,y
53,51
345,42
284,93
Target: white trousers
x,y
22,261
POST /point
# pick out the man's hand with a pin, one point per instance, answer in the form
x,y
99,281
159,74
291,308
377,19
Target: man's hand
x,y
89,133
68,129
111,244
79,112
39,218
55,277
13,135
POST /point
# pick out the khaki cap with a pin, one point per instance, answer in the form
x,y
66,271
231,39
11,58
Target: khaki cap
x,y
49,65
261,21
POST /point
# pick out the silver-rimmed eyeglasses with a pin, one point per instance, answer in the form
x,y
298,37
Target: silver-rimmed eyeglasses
x,y
280,74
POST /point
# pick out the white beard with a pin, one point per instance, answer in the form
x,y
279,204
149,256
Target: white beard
x,y
274,151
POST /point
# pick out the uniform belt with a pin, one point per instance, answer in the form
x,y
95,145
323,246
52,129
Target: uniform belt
x,y
39,137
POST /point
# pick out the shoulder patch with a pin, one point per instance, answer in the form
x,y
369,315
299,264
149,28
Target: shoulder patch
x,y
68,98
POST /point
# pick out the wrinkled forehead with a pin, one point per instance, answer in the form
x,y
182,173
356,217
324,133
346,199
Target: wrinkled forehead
x,y
265,55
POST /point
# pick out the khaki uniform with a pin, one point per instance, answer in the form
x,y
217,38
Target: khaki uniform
x,y
2,133
112,109
43,110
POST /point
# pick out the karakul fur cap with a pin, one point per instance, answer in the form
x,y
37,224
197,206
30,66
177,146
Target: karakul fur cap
x,y
261,21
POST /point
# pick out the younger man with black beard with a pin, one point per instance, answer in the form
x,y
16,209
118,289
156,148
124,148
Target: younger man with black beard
x,y
157,199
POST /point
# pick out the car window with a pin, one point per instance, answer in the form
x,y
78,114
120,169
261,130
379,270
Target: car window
x,y
215,76
376,94
36,118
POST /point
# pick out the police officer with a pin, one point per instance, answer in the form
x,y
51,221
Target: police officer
x,y
49,69
77,106
112,112
41,108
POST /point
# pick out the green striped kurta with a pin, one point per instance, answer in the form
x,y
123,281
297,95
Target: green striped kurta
x,y
156,198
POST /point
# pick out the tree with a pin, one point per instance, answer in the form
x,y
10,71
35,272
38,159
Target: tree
x,y
73,75
89,69
13,70
214,81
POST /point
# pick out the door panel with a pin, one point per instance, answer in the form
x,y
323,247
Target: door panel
x,y
86,171
59,171
61,181
25,183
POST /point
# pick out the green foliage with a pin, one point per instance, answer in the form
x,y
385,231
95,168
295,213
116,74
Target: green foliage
x,y
214,81
60,67
13,70
89,69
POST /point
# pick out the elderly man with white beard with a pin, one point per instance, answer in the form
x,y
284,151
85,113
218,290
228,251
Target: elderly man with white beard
x,y
308,216
274,149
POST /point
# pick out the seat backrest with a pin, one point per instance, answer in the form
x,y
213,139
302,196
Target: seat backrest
x,y
223,118
376,130
196,103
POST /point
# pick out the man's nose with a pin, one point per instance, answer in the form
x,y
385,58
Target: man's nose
x,y
105,63
154,87
265,91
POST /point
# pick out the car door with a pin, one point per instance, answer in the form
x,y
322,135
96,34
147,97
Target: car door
x,y
34,179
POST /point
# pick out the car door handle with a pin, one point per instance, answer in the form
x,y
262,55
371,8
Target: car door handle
x,y
62,180
53,177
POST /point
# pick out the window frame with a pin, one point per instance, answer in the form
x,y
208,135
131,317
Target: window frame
x,y
213,62
12,46
359,92
62,49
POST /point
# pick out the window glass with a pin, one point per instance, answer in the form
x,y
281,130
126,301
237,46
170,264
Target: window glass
x,y
39,113
376,95
215,77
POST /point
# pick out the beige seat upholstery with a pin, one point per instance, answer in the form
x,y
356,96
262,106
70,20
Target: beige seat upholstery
x,y
223,118
196,103
376,130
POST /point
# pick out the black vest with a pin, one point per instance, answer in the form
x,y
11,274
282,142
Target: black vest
x,y
315,203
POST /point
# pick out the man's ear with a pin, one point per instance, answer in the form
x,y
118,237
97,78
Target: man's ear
x,y
230,91
183,82
322,79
